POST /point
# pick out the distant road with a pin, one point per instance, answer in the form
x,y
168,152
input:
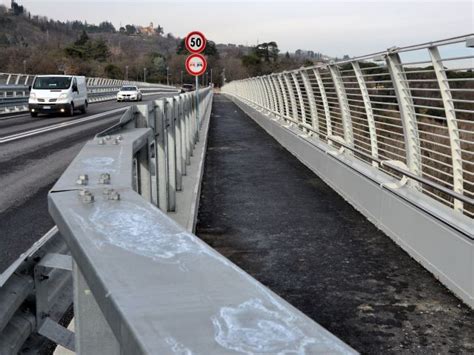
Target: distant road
x,y
30,166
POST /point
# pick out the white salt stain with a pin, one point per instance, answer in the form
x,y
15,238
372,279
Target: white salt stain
x,y
99,164
135,229
252,328
177,348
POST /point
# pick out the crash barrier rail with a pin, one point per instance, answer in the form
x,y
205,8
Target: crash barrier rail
x,y
14,90
405,116
142,283
36,290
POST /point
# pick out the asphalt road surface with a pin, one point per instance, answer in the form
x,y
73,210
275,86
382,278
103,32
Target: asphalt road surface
x,y
30,166
272,216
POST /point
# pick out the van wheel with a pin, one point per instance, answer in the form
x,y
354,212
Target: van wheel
x,y
71,110
84,108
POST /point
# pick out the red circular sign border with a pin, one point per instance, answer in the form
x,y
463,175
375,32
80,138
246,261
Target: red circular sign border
x,y
189,48
204,68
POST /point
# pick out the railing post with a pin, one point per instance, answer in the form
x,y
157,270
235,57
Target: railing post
x,y
93,334
311,100
285,96
171,153
270,93
453,132
294,110
144,171
324,98
187,131
300,98
368,111
343,104
161,166
182,129
178,143
407,114
276,85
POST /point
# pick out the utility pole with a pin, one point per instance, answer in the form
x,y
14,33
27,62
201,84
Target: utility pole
x,y
168,76
211,75
182,78
144,75
126,72
24,66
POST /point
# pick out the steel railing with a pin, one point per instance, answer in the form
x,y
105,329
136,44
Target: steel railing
x,y
406,111
14,90
36,290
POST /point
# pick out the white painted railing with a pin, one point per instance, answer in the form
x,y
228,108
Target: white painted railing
x,y
406,111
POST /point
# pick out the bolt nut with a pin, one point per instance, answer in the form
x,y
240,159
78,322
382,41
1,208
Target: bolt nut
x,y
107,138
114,195
86,196
82,179
101,141
104,178
117,141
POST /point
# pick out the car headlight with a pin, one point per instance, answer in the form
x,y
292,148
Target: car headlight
x,y
62,97
33,96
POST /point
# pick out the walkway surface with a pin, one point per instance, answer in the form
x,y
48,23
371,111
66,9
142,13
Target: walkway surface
x,y
269,214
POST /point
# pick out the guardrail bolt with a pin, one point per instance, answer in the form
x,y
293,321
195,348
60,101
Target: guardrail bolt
x,y
104,178
107,138
101,141
82,180
111,194
86,196
117,140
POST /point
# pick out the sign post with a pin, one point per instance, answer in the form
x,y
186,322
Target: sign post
x,y
196,64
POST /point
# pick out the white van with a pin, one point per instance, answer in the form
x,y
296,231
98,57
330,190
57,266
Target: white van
x,y
58,94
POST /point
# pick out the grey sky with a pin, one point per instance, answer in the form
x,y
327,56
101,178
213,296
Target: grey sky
x,y
332,27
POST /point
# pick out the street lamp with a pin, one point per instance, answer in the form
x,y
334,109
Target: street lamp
x,y
167,75
24,66
126,72
144,75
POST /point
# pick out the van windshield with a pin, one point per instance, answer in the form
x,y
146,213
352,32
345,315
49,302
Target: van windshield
x,y
52,82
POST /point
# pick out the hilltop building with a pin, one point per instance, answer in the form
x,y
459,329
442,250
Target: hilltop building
x,y
147,31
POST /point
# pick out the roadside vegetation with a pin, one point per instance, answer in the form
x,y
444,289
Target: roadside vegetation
x,y
36,44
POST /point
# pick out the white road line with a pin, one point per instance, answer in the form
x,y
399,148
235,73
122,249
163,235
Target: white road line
x,y
37,131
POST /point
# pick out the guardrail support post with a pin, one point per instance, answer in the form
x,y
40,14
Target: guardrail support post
x,y
294,110
93,333
324,98
343,104
453,132
300,98
179,145
161,166
407,114
171,152
311,100
368,110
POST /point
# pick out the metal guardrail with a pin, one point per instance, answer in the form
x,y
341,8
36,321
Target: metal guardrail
x,y
36,290
14,90
406,111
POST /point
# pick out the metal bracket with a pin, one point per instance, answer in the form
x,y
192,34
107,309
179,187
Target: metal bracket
x,y
57,333
403,181
56,261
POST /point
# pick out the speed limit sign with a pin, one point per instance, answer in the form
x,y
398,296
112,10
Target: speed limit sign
x,y
196,64
195,42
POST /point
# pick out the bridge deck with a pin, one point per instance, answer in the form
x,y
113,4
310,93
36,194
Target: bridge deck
x,y
273,217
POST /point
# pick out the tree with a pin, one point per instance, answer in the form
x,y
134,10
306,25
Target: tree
x,y
113,72
130,30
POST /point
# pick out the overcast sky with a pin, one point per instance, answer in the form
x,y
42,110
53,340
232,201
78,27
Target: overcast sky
x,y
332,27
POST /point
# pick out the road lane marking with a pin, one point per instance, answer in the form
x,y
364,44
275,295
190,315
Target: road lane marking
x,y
37,131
